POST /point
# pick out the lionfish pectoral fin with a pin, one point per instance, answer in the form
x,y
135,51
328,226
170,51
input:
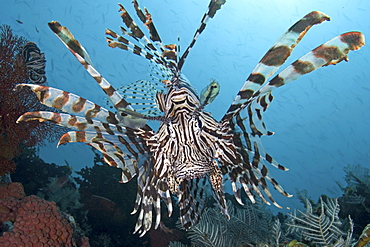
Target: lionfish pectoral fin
x,y
143,96
68,39
71,103
114,154
80,53
273,59
331,52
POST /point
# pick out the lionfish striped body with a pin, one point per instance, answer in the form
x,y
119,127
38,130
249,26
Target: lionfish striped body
x,y
190,147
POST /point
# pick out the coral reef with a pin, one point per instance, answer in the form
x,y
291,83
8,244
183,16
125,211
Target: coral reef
x,y
356,196
249,225
15,69
62,191
34,173
35,222
109,205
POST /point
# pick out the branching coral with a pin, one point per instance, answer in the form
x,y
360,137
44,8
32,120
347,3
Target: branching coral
x,y
63,191
17,68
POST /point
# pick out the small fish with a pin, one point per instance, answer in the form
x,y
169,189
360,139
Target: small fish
x,y
20,22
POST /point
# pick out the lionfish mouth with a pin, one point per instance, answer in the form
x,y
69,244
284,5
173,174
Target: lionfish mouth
x,y
193,170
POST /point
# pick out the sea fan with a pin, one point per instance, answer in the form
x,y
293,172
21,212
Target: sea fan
x,y
211,231
323,227
251,224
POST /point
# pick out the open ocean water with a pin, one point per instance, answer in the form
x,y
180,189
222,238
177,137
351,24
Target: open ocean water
x,y
321,121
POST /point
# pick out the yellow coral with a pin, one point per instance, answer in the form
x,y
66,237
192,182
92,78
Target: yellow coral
x,y
295,243
364,238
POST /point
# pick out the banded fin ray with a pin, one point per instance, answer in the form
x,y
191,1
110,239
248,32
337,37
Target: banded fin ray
x,y
213,7
74,46
117,151
192,201
331,52
71,103
273,59
74,122
151,191
164,56
249,172
143,96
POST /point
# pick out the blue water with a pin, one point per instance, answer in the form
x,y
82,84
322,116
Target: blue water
x,y
321,121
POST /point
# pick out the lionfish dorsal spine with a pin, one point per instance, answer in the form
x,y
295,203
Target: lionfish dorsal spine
x,y
148,22
213,7
75,47
153,51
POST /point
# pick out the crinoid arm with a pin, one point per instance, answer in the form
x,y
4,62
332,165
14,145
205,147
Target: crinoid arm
x,y
35,62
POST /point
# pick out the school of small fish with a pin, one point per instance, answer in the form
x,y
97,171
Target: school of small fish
x,y
191,154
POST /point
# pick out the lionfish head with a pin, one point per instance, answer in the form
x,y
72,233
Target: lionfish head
x,y
180,97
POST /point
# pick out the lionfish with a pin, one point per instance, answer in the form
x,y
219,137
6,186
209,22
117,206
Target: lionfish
x,y
191,151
